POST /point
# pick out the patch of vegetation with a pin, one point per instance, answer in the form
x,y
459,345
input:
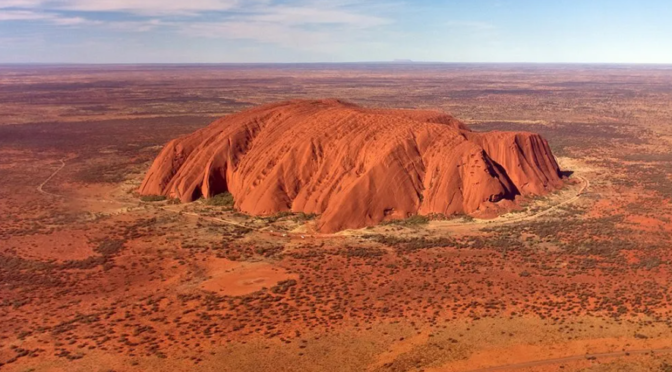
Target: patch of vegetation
x,y
268,250
361,252
11,263
583,237
109,247
303,217
153,198
283,286
84,264
296,217
414,243
224,199
410,221
278,216
103,173
106,249
648,263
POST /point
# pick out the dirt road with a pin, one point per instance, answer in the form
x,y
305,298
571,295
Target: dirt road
x,y
40,188
573,358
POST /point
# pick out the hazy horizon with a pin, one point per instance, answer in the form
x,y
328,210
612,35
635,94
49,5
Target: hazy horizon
x,y
475,63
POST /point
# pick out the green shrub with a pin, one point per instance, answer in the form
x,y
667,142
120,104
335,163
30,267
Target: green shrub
x,y
224,199
283,286
410,221
152,198
302,217
278,216
412,244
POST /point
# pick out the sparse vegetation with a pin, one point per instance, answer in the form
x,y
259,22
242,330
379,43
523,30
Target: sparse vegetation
x,y
83,277
221,200
153,198
415,220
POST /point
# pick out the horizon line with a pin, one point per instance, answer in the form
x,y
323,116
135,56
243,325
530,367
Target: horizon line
x,y
393,62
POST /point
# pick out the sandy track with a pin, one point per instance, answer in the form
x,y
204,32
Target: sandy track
x,y
573,358
40,188
206,218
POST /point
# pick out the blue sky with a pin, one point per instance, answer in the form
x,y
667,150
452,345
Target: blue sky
x,y
212,31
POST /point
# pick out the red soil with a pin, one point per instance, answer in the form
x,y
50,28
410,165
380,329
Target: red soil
x,y
240,278
353,166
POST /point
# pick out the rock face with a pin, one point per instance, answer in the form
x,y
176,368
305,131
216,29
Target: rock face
x,y
353,166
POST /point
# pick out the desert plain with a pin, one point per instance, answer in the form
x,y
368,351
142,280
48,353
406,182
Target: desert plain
x,y
96,277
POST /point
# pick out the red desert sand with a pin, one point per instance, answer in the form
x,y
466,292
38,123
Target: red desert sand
x,y
353,166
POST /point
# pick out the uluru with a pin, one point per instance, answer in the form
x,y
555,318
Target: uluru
x,y
353,166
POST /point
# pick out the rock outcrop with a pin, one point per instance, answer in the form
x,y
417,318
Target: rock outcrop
x,y
351,165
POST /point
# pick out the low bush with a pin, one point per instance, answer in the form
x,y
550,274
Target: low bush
x,y
221,200
152,198
410,221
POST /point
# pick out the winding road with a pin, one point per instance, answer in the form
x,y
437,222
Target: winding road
x,y
40,188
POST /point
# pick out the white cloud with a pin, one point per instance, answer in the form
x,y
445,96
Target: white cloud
x,y
73,21
257,31
22,15
307,15
136,26
147,7
54,18
155,7
4,4
294,12
296,24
